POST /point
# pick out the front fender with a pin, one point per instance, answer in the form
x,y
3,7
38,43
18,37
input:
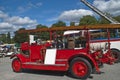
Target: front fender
x,y
21,57
13,56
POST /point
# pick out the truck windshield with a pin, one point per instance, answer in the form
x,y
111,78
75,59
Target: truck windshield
x,y
25,52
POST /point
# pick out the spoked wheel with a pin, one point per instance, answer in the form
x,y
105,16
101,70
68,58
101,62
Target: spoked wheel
x,y
80,68
16,65
116,55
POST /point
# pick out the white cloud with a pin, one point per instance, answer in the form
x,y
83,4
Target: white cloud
x,y
20,21
5,25
3,15
109,6
74,15
13,23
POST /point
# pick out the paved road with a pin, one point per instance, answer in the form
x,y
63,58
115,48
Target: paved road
x,y
108,73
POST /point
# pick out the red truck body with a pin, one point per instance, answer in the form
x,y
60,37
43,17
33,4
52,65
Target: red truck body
x,y
79,61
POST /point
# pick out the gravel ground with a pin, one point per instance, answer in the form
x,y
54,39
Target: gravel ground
x,y
109,72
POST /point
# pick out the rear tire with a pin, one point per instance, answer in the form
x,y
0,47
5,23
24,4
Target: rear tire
x,y
80,68
116,55
16,65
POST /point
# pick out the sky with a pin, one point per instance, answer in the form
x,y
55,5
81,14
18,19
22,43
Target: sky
x,y
15,14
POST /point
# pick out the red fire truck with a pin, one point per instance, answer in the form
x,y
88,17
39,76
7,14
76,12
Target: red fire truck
x,y
63,55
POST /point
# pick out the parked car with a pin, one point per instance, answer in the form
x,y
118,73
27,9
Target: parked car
x,y
6,50
2,55
8,54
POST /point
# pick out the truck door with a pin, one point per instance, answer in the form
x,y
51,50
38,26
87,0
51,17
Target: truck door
x,y
35,53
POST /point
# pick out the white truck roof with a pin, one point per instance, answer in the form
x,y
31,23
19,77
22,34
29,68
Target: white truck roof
x,y
76,31
71,32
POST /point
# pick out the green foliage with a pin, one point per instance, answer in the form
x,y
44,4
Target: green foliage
x,y
59,24
8,38
21,29
72,23
41,26
42,35
21,37
102,20
3,38
117,18
88,20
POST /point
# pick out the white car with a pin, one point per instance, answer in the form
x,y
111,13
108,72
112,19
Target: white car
x,y
2,54
9,54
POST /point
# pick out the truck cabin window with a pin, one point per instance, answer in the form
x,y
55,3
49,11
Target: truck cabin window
x,y
74,39
25,52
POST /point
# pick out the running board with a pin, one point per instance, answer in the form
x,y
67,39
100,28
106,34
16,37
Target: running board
x,y
41,66
35,63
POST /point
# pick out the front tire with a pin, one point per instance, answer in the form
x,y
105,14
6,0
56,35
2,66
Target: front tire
x,y
16,65
80,68
116,55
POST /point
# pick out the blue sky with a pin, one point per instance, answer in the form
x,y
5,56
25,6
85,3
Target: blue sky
x,y
15,14
44,11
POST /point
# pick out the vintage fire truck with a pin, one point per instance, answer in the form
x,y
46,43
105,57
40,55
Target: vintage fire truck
x,y
77,56
80,60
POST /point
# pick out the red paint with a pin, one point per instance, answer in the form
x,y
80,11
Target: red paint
x,y
16,65
80,69
35,59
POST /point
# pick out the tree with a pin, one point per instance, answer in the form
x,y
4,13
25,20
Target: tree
x,y
41,26
59,24
42,35
21,37
21,29
72,23
102,20
88,20
117,18
8,38
3,38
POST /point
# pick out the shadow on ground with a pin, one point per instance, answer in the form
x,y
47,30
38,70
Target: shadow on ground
x,y
40,72
53,73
